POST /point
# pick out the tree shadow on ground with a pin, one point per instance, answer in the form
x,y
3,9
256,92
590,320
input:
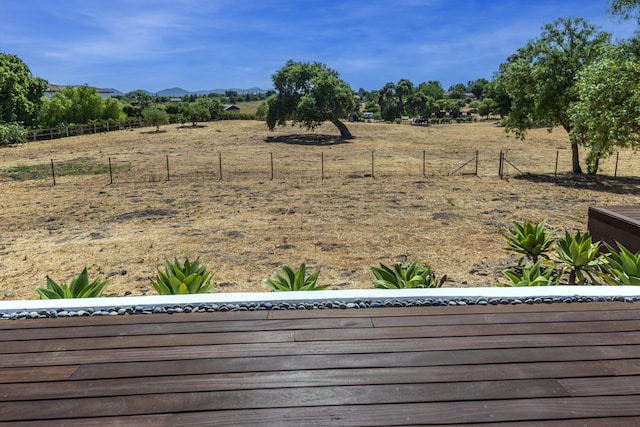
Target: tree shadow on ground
x,y
306,139
603,183
196,126
151,132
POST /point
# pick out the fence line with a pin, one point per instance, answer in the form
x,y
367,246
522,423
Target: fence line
x,y
83,129
63,131
128,172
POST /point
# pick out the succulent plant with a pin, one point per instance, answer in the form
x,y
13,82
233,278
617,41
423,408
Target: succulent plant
x,y
405,275
79,288
187,278
294,281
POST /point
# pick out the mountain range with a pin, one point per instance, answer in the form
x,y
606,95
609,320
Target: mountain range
x,y
179,92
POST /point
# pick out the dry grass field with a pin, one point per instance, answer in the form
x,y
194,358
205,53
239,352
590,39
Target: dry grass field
x,y
341,207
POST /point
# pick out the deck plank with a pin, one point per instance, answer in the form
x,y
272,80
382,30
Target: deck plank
x,y
324,378
503,342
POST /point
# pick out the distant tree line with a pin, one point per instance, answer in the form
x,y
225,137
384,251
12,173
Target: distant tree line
x,y
572,77
396,100
23,105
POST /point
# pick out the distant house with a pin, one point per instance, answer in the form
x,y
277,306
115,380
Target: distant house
x,y
51,89
231,108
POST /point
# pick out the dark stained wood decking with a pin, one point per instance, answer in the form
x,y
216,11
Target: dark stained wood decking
x,y
527,365
613,224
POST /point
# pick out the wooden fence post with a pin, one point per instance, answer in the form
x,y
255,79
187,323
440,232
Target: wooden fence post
x,y
110,172
555,173
53,173
373,170
424,163
477,152
220,165
322,163
615,172
271,154
168,177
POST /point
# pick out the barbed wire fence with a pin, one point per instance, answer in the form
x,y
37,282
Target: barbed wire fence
x,y
320,165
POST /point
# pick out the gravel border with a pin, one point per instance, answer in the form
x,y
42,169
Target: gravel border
x,y
341,304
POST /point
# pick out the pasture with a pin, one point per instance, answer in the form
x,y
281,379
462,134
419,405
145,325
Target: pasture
x,y
246,201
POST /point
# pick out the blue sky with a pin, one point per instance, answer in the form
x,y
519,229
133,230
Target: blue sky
x,y
209,44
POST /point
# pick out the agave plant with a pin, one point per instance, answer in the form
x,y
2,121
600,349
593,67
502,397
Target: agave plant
x,y
531,275
530,239
295,281
188,278
621,267
79,288
580,255
405,275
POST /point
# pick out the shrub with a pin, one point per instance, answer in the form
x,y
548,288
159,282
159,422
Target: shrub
x,y
405,275
79,288
529,239
531,275
621,267
155,116
295,281
580,255
12,133
188,278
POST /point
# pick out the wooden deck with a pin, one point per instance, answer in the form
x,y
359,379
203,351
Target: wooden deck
x,y
613,224
527,365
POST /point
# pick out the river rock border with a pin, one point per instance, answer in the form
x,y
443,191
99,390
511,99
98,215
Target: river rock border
x,y
340,304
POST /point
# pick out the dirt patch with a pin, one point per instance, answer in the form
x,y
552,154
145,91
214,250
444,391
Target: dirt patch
x,y
245,225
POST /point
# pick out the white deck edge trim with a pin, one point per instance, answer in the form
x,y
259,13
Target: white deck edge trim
x,y
306,296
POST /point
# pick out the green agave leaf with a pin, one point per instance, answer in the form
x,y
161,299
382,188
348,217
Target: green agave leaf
x,y
161,288
54,287
383,284
47,294
276,286
299,280
206,288
314,277
94,290
384,273
290,276
79,283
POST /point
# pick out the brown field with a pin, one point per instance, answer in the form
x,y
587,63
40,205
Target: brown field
x,y
247,225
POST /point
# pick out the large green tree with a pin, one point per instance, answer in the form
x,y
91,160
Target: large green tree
x,y
388,102
626,9
20,92
540,79
196,112
309,94
478,87
420,104
432,88
607,113
80,104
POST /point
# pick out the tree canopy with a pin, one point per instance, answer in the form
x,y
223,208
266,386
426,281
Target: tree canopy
x,y
625,9
309,94
155,116
196,112
20,92
540,78
80,104
607,112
